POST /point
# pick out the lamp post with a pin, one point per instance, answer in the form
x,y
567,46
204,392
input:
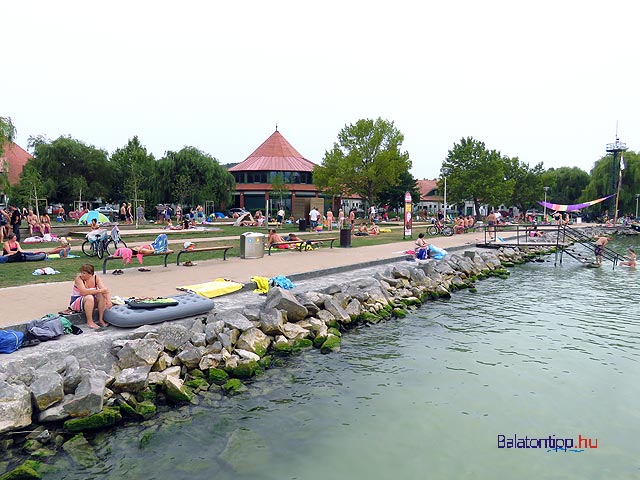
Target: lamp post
x,y
637,196
544,215
444,171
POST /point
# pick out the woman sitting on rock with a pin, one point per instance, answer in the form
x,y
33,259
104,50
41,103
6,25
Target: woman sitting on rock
x,y
87,293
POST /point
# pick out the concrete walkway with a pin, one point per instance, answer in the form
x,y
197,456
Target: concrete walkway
x,y
24,303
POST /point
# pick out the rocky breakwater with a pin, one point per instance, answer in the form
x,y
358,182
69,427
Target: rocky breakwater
x,y
171,363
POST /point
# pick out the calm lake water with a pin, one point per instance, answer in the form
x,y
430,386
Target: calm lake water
x,y
552,351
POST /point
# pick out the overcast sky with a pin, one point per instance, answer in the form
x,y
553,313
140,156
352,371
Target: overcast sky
x,y
545,81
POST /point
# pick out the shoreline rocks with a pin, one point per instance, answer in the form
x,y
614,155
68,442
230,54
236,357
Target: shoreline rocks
x,y
172,363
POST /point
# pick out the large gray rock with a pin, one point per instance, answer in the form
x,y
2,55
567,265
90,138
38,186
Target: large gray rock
x,y
254,341
132,379
15,407
284,300
80,451
47,389
325,316
271,321
56,413
294,332
308,303
212,329
88,398
71,375
336,310
190,355
139,353
236,320
173,336
354,308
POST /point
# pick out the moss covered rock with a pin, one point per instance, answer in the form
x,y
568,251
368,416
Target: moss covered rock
x,y
245,370
399,312
218,376
197,384
282,348
146,409
265,362
331,344
147,394
319,340
27,470
368,317
301,344
234,386
108,417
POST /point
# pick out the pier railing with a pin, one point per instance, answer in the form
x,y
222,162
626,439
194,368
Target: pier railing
x,y
563,237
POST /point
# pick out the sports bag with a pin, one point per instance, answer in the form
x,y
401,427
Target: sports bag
x,y
10,340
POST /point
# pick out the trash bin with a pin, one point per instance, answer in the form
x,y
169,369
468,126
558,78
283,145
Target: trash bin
x,y
252,245
345,237
302,225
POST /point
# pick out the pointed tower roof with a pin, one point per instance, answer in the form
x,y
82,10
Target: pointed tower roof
x,y
275,154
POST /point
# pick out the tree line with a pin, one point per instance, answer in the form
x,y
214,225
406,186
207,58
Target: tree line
x,y
367,160
66,170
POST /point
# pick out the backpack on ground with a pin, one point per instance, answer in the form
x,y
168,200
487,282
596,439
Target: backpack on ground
x,y
10,340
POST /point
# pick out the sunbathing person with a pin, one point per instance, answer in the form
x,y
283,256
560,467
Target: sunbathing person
x,y
273,237
11,248
63,249
374,230
87,293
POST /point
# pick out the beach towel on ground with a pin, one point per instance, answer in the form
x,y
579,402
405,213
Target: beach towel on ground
x,y
45,271
282,282
262,283
219,286
160,244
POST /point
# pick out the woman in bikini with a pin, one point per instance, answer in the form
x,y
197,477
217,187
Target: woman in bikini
x,y
87,292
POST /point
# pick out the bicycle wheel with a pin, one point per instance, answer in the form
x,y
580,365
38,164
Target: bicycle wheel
x,y
432,230
447,231
100,249
87,249
112,246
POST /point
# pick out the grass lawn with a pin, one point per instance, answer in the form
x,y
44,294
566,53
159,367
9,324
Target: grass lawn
x,y
14,274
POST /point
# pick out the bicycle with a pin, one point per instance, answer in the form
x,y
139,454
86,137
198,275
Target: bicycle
x,y
436,229
99,242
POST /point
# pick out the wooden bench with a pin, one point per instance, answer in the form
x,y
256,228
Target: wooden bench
x,y
203,249
114,257
303,243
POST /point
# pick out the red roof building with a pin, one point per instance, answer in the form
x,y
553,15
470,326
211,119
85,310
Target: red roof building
x,y
12,159
430,197
275,158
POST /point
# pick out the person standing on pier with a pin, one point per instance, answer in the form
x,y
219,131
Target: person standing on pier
x,y
601,242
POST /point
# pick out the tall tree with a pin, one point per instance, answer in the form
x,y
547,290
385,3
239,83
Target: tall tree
x,y
477,174
134,170
62,160
601,181
366,159
7,134
394,195
527,188
193,177
566,184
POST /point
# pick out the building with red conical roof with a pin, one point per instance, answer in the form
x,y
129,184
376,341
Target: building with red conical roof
x,y
275,161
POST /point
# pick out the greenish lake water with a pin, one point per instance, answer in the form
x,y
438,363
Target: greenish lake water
x,y
548,352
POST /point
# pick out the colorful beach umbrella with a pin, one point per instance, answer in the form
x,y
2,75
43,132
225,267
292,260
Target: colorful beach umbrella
x,y
89,216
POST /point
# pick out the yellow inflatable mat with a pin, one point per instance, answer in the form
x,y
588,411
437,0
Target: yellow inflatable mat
x,y
218,287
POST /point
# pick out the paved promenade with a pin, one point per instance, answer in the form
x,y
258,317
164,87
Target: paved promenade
x,y
24,303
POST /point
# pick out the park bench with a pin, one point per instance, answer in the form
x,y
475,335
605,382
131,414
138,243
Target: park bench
x,y
302,243
203,249
114,257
